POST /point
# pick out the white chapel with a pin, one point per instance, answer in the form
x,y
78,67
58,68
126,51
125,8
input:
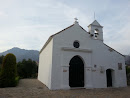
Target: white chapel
x,y
76,58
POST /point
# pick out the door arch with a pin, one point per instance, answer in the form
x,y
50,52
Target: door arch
x,y
109,77
76,72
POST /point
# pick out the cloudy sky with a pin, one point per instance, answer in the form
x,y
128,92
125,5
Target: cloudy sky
x,y
28,23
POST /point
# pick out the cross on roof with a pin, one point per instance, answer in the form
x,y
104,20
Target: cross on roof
x,y
75,19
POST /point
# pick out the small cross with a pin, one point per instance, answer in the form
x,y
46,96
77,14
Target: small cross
x,y
75,19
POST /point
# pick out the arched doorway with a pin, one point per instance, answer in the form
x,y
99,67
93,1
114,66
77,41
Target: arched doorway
x,y
109,77
76,72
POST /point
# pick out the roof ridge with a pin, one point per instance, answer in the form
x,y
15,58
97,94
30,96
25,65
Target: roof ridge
x,y
49,39
63,30
94,24
114,50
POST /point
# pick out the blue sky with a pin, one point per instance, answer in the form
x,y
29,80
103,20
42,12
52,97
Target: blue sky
x,y
28,23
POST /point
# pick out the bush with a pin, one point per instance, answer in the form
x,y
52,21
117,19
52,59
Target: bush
x,y
17,80
0,67
127,70
1,59
8,74
27,69
128,75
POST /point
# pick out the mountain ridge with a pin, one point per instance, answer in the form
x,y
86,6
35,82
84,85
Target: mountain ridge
x,y
23,54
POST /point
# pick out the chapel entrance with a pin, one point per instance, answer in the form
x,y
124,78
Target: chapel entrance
x,y
109,77
76,72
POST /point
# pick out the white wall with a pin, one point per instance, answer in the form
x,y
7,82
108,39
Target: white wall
x,y
45,65
62,58
100,56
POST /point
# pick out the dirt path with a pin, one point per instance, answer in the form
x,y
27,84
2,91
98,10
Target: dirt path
x,y
32,88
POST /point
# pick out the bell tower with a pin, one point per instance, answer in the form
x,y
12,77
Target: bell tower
x,y
95,30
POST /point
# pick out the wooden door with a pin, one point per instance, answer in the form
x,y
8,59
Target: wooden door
x,y
109,77
76,72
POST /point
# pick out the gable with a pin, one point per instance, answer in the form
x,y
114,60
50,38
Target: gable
x,y
49,39
95,23
71,29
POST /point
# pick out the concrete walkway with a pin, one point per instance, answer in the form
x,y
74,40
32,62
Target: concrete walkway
x,y
32,88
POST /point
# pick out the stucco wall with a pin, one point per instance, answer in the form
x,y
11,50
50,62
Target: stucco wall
x,y
62,58
45,65
100,56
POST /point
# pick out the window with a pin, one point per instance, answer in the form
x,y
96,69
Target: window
x,y
119,66
95,66
76,44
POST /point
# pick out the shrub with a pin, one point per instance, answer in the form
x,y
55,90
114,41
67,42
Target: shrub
x,y
0,67
127,70
1,59
27,69
128,75
8,71
17,80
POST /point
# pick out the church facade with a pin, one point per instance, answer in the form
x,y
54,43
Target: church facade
x,y
75,58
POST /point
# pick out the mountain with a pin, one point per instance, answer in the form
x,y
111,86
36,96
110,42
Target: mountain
x,y
23,54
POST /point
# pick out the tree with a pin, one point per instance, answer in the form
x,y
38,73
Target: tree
x,y
1,59
127,62
27,69
8,72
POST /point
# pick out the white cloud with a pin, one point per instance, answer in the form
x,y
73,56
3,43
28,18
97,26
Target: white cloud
x,y
29,23
29,26
118,34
